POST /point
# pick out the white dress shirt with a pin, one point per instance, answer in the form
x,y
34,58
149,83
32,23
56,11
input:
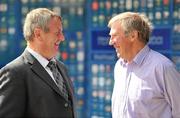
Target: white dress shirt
x,y
43,61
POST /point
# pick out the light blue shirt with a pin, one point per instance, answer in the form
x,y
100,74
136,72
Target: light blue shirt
x,y
148,87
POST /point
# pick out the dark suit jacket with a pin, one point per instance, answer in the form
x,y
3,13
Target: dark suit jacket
x,y
27,90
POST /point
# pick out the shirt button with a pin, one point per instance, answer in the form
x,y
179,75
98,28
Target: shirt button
x,y
66,104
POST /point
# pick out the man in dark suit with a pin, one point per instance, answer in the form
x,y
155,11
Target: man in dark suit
x,y
28,87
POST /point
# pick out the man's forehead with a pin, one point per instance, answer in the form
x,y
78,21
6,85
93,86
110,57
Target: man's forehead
x,y
112,31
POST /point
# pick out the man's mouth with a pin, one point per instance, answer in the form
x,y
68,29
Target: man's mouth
x,y
57,46
57,43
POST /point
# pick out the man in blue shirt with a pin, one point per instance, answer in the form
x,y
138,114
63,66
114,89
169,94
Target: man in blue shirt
x,y
147,85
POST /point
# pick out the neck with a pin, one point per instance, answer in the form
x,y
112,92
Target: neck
x,y
135,49
38,50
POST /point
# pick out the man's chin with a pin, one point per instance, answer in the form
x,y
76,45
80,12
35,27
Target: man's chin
x,y
118,55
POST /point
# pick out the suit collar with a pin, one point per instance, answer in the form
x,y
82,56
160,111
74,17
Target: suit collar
x,y
28,58
42,60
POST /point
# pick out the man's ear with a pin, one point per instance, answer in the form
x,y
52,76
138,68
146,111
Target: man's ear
x,y
37,33
134,35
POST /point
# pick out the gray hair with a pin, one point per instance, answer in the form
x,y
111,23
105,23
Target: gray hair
x,y
131,21
40,18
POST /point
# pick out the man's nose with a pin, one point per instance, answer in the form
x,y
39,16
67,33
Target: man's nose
x,y
61,37
111,41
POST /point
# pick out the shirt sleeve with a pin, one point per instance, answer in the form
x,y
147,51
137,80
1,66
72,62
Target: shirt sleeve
x,y
172,89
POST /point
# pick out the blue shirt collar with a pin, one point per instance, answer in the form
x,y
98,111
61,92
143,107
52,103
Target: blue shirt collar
x,y
138,59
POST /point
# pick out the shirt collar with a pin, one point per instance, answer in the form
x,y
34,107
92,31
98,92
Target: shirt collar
x,y
43,61
138,59
141,55
123,62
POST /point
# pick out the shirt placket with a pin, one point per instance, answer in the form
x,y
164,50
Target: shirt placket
x,y
127,83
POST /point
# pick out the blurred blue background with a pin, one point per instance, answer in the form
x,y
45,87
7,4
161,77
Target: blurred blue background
x,y
85,51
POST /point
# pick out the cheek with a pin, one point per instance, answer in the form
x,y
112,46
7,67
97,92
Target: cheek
x,y
118,42
49,45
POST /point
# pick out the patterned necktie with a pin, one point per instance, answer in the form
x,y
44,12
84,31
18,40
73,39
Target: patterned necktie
x,y
58,78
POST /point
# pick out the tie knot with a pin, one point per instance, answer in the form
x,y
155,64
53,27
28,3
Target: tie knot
x,y
52,65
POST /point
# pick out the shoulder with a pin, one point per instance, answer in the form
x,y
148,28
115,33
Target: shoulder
x,y
15,66
159,61
14,63
160,58
13,73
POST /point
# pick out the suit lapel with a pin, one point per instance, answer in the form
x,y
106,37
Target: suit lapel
x,y
40,71
69,85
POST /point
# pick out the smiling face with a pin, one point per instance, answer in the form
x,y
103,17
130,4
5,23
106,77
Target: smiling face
x,y
120,42
129,33
50,40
